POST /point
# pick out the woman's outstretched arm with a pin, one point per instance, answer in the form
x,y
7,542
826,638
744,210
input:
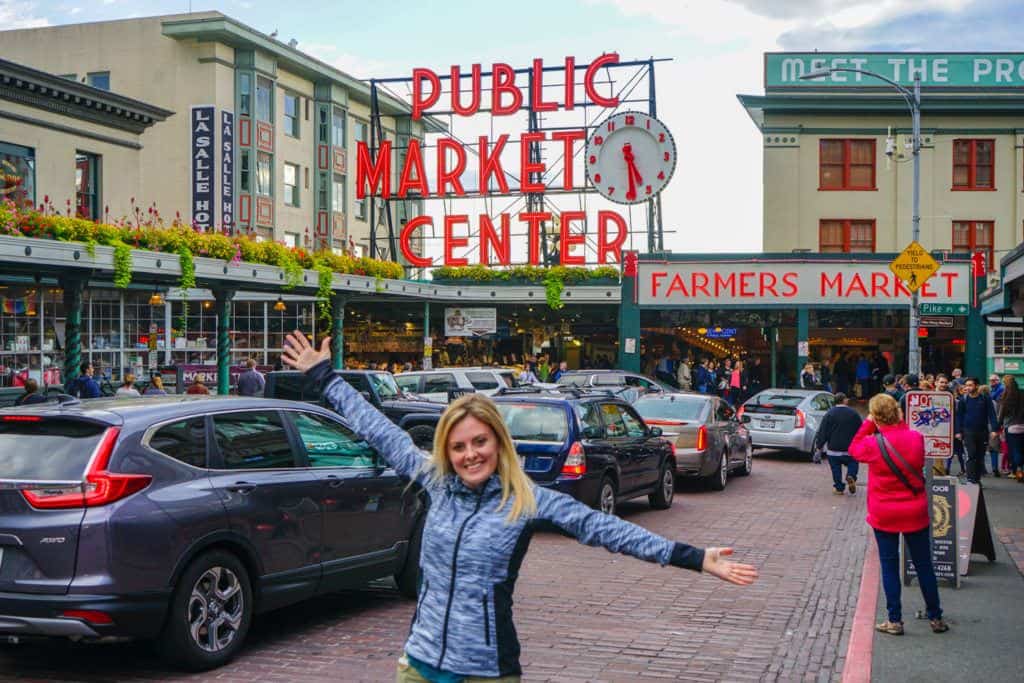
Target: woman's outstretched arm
x,y
595,528
391,441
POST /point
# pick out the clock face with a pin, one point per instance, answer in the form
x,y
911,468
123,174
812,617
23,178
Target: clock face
x,y
630,157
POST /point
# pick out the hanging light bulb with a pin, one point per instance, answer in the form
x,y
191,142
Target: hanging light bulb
x,y
279,305
156,299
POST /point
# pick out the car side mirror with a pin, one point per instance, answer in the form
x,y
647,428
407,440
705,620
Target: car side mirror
x,y
655,431
745,419
591,432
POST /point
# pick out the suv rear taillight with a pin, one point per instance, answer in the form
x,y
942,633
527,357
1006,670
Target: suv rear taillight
x,y
801,420
101,487
702,438
576,462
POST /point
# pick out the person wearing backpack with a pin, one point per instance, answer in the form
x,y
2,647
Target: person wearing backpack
x,y
84,386
897,505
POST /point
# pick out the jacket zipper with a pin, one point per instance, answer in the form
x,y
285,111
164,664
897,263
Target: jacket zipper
x,y
451,588
487,622
419,604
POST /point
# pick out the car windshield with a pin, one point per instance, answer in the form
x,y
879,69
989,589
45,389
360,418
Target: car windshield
x,y
686,408
385,386
535,422
408,383
573,379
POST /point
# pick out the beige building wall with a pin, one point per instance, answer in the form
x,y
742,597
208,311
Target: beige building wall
x,y
178,74
793,204
55,156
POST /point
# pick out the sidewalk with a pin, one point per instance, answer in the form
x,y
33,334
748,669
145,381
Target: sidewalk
x,y
984,614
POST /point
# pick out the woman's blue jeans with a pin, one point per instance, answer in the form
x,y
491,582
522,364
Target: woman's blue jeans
x,y
1015,444
920,547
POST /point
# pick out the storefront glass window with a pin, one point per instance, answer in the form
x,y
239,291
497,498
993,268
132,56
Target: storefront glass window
x,y
17,174
87,185
1008,342
19,336
297,315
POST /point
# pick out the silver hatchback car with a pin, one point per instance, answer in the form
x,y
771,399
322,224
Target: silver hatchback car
x,y
785,418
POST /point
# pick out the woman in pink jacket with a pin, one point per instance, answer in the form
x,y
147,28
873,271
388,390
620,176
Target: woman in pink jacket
x,y
897,504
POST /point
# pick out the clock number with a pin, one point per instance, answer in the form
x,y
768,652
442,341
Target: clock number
x,y
667,156
611,126
598,140
661,176
611,190
597,177
593,159
647,189
630,120
661,137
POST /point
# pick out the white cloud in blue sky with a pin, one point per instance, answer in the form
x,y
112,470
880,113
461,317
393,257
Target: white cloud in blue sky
x,y
714,202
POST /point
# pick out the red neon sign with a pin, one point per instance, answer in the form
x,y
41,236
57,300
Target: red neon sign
x,y
374,171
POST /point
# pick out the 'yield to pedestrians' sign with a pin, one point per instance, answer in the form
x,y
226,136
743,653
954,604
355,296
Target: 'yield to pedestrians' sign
x,y
914,266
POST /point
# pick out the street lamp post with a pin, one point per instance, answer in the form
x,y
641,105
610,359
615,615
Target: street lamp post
x,y
913,100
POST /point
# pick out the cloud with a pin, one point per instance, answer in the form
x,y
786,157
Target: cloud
x,y
358,66
16,14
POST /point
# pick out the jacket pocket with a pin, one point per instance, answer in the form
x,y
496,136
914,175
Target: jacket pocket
x,y
487,621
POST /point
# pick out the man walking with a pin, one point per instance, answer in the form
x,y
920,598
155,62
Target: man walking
x,y
975,423
835,433
251,382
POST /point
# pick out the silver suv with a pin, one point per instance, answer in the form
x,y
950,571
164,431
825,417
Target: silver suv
x,y
435,385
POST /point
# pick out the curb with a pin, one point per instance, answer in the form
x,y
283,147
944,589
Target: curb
x,y
858,652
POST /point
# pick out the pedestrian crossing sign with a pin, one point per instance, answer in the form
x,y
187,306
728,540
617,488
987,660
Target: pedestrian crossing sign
x,y
914,266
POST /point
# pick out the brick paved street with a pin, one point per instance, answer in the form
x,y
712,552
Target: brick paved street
x,y
583,613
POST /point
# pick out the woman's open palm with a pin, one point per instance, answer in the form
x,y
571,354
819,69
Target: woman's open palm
x,y
301,355
727,570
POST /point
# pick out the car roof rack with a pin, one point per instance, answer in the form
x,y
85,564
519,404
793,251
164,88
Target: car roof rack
x,y
525,389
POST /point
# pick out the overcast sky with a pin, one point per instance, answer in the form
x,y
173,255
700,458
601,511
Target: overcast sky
x,y
714,200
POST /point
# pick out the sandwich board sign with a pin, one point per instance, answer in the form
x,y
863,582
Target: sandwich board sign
x,y
931,414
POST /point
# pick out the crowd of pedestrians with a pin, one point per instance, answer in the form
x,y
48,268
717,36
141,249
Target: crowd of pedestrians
x,y
734,379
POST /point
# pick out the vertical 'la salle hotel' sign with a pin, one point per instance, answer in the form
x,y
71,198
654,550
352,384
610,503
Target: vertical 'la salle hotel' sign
x,y
205,168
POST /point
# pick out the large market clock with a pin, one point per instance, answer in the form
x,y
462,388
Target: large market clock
x,y
630,157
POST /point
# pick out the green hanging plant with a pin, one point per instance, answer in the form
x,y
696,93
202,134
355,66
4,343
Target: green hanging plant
x,y
378,283
292,271
122,265
187,282
324,292
90,248
553,287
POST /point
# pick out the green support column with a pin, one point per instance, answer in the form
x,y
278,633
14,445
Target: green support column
x,y
977,338
222,298
428,354
629,317
802,334
338,302
73,288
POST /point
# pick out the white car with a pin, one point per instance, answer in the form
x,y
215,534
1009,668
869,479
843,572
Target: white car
x,y
438,385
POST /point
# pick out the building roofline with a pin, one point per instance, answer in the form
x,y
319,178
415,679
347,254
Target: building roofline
x,y
225,29
48,91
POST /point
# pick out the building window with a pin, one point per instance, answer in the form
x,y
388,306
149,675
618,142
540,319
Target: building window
x,y
18,174
99,79
361,208
974,163
322,188
361,131
970,237
291,184
1008,342
846,236
321,126
291,239
244,171
245,94
338,128
264,93
263,175
291,115
87,184
338,195
846,165
70,77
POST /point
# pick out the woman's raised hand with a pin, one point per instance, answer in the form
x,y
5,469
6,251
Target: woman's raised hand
x,y
727,570
301,355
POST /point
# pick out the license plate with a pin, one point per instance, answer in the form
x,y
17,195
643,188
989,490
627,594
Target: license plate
x,y
768,424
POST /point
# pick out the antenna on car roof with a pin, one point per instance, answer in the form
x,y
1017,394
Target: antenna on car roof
x,y
64,399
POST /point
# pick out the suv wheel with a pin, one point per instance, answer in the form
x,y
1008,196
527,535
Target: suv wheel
x,y
606,496
408,578
423,437
661,498
719,478
210,613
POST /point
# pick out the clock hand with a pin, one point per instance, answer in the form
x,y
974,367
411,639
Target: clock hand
x,y
632,172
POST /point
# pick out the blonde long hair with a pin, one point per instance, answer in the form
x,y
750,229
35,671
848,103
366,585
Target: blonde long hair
x,y
515,483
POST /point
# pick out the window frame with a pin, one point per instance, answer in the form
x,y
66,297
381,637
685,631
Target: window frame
x,y
972,243
972,166
292,129
215,455
95,182
847,163
89,77
27,157
269,118
147,439
291,197
260,155
847,225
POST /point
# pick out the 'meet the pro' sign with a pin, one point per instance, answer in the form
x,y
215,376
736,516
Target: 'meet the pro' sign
x,y
979,70
826,282
931,414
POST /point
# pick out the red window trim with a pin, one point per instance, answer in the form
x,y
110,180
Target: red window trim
x,y
847,223
972,166
846,187
972,244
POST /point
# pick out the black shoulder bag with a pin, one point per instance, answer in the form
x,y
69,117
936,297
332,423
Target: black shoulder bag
x,y
883,448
